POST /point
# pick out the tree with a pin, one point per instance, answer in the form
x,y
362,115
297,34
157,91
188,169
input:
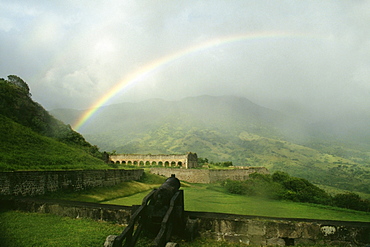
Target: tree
x,y
19,83
351,200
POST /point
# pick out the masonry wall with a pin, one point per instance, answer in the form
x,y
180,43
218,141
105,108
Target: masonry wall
x,y
208,176
40,182
264,231
189,160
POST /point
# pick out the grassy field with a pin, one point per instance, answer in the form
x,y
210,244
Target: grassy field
x,y
20,229
212,198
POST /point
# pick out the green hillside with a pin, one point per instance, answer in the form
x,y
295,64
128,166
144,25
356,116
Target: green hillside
x,y
230,129
23,149
30,138
253,150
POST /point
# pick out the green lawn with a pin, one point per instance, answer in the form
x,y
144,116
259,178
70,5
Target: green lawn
x,y
20,229
210,198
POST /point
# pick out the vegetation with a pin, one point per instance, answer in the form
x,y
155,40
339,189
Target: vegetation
x,y
215,198
233,129
284,187
102,194
20,229
32,229
210,164
23,149
32,139
16,104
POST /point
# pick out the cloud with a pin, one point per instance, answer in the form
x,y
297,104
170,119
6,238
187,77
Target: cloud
x,y
71,53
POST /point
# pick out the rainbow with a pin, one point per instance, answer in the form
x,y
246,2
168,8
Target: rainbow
x,y
154,66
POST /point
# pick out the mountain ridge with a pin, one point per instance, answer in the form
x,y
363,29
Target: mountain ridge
x,y
228,128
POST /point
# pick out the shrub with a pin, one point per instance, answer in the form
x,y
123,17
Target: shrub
x,y
234,187
279,186
351,200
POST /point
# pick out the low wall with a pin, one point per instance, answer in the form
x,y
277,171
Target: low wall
x,y
111,213
40,182
208,175
262,231
254,230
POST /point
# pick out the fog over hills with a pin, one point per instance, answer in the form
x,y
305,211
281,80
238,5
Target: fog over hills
x,y
229,128
230,115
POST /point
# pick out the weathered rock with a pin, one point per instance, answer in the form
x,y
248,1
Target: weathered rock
x,y
171,244
109,241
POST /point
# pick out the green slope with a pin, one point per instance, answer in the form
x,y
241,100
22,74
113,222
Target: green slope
x,y
16,103
30,138
23,149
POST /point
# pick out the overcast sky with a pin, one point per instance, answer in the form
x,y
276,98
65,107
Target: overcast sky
x,y
72,52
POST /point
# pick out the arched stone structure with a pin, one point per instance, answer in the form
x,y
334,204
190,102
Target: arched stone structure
x,y
189,160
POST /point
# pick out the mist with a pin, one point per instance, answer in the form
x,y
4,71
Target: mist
x,y
72,53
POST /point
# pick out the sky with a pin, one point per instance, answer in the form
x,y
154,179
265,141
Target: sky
x,y
301,56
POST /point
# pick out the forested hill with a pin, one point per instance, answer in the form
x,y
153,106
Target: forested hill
x,y
228,128
26,127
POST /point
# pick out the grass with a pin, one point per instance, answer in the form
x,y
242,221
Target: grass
x,y
23,149
20,229
122,190
212,198
102,194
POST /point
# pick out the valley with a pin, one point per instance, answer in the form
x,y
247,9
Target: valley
x,y
228,128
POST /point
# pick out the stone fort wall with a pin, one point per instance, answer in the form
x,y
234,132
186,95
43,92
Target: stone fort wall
x,y
188,160
29,183
209,176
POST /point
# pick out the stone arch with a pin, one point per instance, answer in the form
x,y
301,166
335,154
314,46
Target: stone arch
x,y
188,160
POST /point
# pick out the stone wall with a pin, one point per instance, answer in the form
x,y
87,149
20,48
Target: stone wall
x,y
253,230
188,160
208,175
111,213
263,231
40,182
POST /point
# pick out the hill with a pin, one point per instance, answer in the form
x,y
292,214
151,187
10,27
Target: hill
x,y
229,129
33,139
23,149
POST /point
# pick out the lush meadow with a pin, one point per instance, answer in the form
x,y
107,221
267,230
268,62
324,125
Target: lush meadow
x,y
213,198
20,229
